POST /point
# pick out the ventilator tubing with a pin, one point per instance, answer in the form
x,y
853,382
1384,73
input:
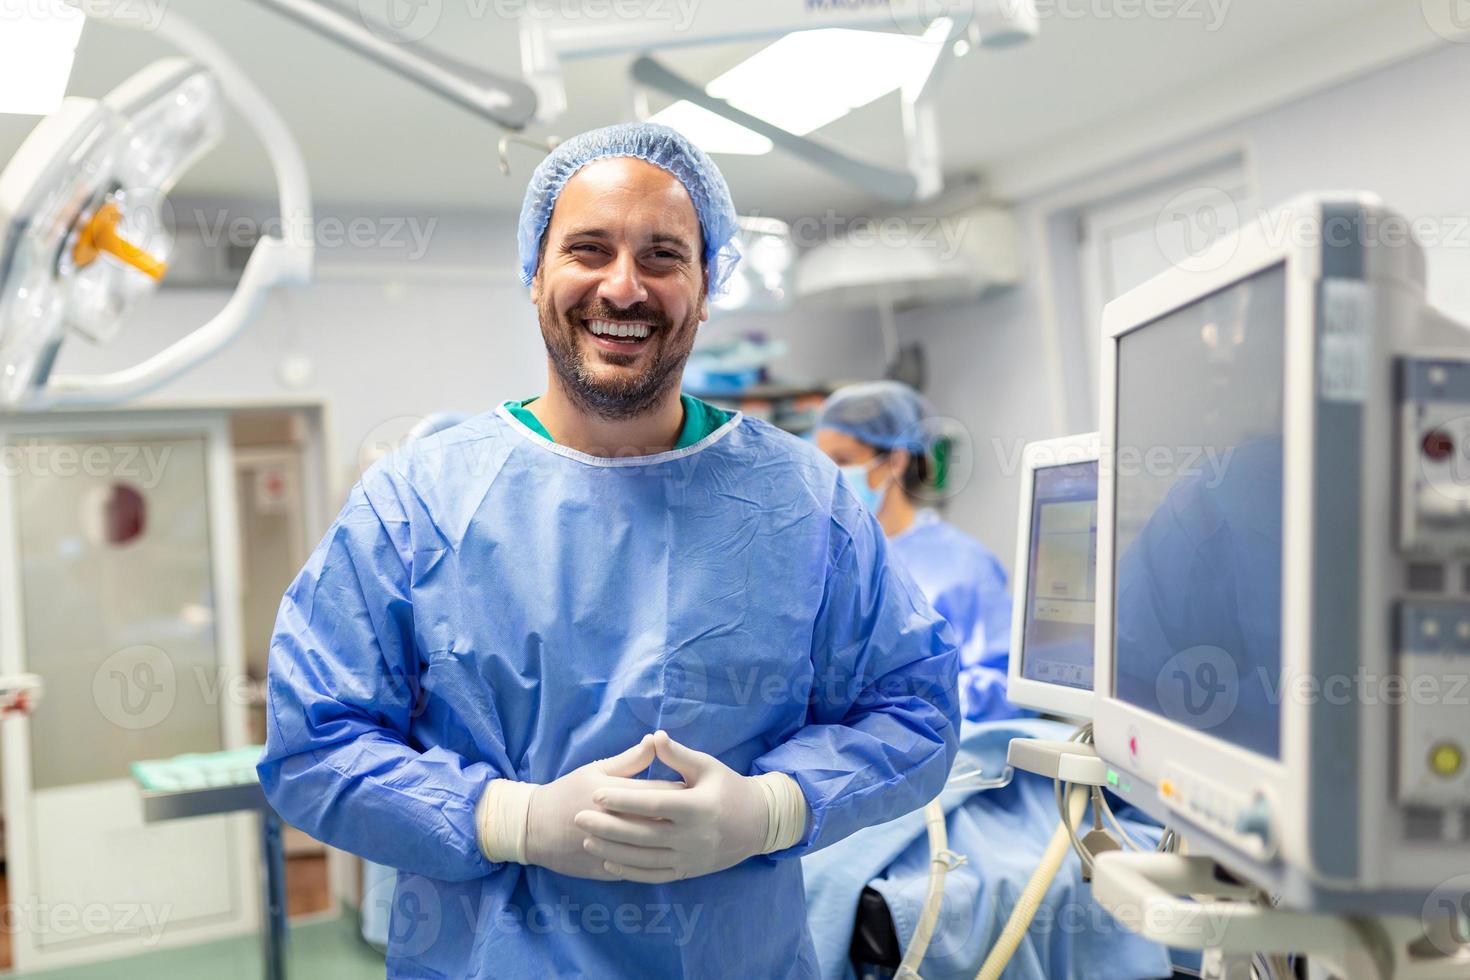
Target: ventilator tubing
x,y
941,861
1036,889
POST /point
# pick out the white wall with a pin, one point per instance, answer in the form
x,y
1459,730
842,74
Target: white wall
x,y
1397,132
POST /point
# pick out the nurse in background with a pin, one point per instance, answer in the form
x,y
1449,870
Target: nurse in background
x,y
879,434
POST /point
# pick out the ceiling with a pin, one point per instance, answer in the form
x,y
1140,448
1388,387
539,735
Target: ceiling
x,y
1016,117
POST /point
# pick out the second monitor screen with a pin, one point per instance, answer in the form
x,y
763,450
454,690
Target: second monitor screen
x,y
1061,584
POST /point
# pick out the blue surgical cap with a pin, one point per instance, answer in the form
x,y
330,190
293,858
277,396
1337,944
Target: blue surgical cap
x,y
655,144
883,414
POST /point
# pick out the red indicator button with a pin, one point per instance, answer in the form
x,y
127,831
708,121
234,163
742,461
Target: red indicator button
x,y
1438,445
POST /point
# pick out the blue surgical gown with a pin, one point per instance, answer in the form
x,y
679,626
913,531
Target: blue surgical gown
x,y
490,604
966,584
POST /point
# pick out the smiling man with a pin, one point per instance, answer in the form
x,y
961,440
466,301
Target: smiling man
x,y
593,669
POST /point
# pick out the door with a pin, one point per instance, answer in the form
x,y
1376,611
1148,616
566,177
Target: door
x,y
1130,238
119,585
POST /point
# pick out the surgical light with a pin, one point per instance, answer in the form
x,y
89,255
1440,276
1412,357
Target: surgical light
x,y
83,208
808,79
763,279
1001,24
37,48
712,133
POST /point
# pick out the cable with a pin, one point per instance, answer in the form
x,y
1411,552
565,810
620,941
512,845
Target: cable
x,y
1071,803
1168,842
1063,791
1123,835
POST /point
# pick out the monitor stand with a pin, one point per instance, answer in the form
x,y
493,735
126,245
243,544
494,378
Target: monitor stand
x,y
1194,903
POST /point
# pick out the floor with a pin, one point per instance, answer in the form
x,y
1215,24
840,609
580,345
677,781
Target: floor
x,y
332,949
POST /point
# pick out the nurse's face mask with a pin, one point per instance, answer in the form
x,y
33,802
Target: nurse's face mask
x,y
862,466
620,289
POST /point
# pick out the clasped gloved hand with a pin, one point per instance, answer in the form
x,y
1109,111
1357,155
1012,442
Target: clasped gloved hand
x,y
721,818
532,824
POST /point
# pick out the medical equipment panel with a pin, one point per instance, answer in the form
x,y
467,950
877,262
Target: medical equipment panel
x,y
1055,588
1284,528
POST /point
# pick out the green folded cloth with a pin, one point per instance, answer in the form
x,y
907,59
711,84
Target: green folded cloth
x,y
199,770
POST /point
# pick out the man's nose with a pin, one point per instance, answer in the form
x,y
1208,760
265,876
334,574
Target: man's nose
x,y
622,285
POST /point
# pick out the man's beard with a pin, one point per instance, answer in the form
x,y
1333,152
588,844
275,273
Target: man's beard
x,y
616,399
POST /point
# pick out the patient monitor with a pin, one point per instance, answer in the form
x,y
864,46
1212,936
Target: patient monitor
x,y
1281,666
1054,586
1284,614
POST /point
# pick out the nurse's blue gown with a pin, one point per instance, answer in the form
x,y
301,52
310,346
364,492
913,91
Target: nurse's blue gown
x,y
966,584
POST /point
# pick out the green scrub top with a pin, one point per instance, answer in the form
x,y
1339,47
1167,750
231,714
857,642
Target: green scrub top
x,y
700,420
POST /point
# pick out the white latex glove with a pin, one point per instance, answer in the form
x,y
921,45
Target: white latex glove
x,y
532,824
721,819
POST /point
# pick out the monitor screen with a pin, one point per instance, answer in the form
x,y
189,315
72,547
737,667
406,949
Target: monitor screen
x,y
1197,557
1061,586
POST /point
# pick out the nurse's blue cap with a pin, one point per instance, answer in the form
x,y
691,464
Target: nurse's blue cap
x,y
883,414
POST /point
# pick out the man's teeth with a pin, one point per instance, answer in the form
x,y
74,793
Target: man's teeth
x,y
612,328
